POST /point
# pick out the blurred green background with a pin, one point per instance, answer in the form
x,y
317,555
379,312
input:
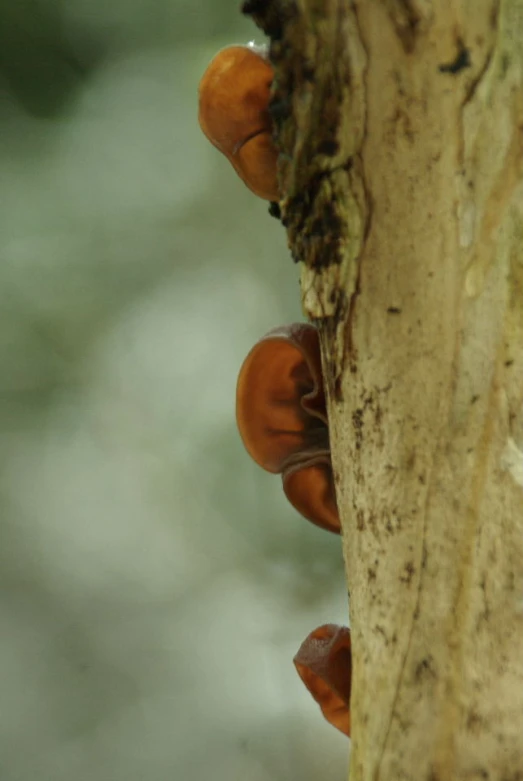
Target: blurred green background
x,y
155,583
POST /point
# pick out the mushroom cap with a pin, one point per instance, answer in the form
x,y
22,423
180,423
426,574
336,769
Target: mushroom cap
x,y
282,420
234,95
324,663
309,488
280,403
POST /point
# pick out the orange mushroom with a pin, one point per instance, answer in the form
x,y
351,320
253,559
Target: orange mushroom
x,y
234,114
324,663
282,419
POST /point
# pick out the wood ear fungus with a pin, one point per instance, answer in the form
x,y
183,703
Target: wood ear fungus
x,y
324,663
282,419
234,96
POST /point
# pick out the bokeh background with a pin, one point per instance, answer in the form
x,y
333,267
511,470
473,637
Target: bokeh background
x,y
155,584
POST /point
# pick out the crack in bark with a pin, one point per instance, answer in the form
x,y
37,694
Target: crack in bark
x,y
473,87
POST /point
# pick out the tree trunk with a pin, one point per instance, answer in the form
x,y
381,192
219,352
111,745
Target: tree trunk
x,y
400,124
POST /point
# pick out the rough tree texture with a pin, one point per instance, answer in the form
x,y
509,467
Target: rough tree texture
x,y
401,129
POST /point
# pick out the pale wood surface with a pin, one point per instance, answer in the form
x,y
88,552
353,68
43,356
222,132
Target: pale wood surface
x,y
411,231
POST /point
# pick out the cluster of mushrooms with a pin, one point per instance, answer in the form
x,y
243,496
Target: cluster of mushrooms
x,y
280,401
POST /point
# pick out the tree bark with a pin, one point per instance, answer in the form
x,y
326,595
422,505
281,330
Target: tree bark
x,y
400,125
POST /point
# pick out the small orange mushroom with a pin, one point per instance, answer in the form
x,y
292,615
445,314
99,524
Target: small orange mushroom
x,y
324,663
282,419
234,97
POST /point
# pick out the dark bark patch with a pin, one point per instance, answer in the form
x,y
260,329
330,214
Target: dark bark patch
x,y
269,15
474,721
327,223
308,73
408,573
279,109
425,669
460,62
360,520
328,147
338,394
394,523
357,424
274,210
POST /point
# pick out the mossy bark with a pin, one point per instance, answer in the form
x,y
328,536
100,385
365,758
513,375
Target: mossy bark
x,y
400,124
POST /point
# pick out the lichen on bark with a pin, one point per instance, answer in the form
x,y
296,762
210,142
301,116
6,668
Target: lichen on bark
x,y
400,126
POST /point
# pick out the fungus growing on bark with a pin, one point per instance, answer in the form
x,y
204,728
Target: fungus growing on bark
x,y
324,663
234,114
282,419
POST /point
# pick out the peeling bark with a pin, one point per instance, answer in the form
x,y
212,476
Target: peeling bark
x,y
400,125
